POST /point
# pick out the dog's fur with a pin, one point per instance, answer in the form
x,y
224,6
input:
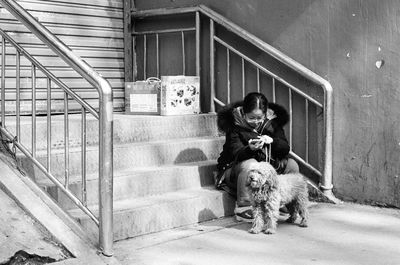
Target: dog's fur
x,y
271,191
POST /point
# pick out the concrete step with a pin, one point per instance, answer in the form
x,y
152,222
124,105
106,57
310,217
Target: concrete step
x,y
151,214
130,155
127,129
139,182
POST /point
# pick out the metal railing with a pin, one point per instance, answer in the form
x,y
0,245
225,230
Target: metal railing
x,y
215,18
104,116
182,32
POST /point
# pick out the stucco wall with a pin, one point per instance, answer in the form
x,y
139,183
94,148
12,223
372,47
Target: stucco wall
x,y
355,45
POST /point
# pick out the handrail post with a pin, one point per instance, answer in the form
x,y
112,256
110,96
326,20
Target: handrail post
x,y
3,82
212,65
327,180
198,44
106,231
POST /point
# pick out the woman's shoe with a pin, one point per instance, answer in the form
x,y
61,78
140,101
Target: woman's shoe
x,y
244,214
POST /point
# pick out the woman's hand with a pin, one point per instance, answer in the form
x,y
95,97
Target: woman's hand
x,y
256,144
266,139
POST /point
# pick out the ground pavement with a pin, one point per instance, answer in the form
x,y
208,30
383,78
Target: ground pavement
x,y
19,232
337,234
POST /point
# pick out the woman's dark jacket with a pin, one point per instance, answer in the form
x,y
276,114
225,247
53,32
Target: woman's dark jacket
x,y
238,133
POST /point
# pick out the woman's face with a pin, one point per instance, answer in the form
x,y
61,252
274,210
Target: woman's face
x,y
255,118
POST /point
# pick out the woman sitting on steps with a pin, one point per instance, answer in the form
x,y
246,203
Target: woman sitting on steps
x,y
249,127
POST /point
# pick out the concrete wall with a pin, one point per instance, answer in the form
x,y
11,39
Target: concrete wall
x,y
355,45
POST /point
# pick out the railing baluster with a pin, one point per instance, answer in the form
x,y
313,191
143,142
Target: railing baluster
x,y
212,65
3,81
291,119
307,132
258,80
48,124
273,90
83,156
66,141
158,55
33,72
18,95
266,71
228,81
243,80
197,44
183,53
144,57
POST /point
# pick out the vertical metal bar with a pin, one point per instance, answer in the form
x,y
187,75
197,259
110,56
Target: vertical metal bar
x,y
83,156
66,141
48,124
183,53
3,81
212,65
18,96
197,43
258,80
33,72
106,172
273,90
326,181
307,133
228,81
291,118
158,55
243,79
144,56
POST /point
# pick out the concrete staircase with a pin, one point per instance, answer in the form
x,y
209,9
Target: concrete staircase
x,y
163,170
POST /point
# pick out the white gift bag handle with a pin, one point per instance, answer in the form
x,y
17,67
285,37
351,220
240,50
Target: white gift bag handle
x,y
152,80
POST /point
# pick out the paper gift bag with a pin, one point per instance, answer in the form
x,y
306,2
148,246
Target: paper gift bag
x,y
180,95
143,97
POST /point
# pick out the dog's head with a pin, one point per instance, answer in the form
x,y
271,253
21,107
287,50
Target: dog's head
x,y
263,175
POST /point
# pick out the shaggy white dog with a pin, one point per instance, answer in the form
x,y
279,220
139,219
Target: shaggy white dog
x,y
271,191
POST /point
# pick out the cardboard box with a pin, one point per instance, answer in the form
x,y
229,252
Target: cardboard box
x,y
180,95
143,97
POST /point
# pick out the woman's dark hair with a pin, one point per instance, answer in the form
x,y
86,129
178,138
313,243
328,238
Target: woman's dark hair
x,y
254,101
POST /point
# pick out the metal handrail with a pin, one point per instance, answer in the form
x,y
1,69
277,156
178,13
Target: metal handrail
x,y
105,117
49,74
326,181
25,150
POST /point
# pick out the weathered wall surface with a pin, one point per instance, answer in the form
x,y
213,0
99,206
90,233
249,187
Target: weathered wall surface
x,y
355,45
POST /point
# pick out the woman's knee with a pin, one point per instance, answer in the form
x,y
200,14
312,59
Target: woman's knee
x,y
291,167
243,193
246,165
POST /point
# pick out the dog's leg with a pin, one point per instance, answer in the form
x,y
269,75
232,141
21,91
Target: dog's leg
x,y
303,208
271,214
258,222
293,211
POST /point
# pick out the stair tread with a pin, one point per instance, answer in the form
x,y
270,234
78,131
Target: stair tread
x,y
155,117
117,116
127,172
60,150
142,202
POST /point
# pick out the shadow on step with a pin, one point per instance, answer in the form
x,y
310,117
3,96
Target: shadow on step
x,y
190,155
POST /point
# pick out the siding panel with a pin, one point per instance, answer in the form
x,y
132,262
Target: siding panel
x,y
92,29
